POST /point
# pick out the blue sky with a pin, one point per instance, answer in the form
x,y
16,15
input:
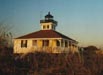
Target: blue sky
x,y
79,19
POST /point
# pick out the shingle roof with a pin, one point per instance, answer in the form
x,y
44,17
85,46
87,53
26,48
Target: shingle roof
x,y
44,34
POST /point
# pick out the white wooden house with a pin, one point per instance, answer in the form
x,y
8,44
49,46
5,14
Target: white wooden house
x,y
47,39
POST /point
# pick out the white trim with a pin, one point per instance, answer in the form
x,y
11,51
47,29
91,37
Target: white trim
x,y
42,38
38,38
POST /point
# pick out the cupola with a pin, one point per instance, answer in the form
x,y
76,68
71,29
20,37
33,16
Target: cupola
x,y
48,23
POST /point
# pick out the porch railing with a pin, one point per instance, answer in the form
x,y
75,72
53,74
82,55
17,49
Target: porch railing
x,y
52,49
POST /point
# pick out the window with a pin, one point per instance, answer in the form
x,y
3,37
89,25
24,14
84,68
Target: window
x,y
43,27
57,43
66,43
70,43
34,42
47,26
45,42
23,43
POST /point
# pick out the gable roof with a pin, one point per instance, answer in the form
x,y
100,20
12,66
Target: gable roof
x,y
44,34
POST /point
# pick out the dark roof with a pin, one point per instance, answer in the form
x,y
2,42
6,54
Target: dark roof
x,y
48,15
44,34
48,18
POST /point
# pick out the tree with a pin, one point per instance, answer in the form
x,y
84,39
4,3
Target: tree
x,y
91,48
5,39
5,35
6,52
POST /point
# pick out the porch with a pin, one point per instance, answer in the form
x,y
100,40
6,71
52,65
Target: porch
x,y
54,46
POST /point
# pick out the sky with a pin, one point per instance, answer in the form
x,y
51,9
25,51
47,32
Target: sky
x,y
81,20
